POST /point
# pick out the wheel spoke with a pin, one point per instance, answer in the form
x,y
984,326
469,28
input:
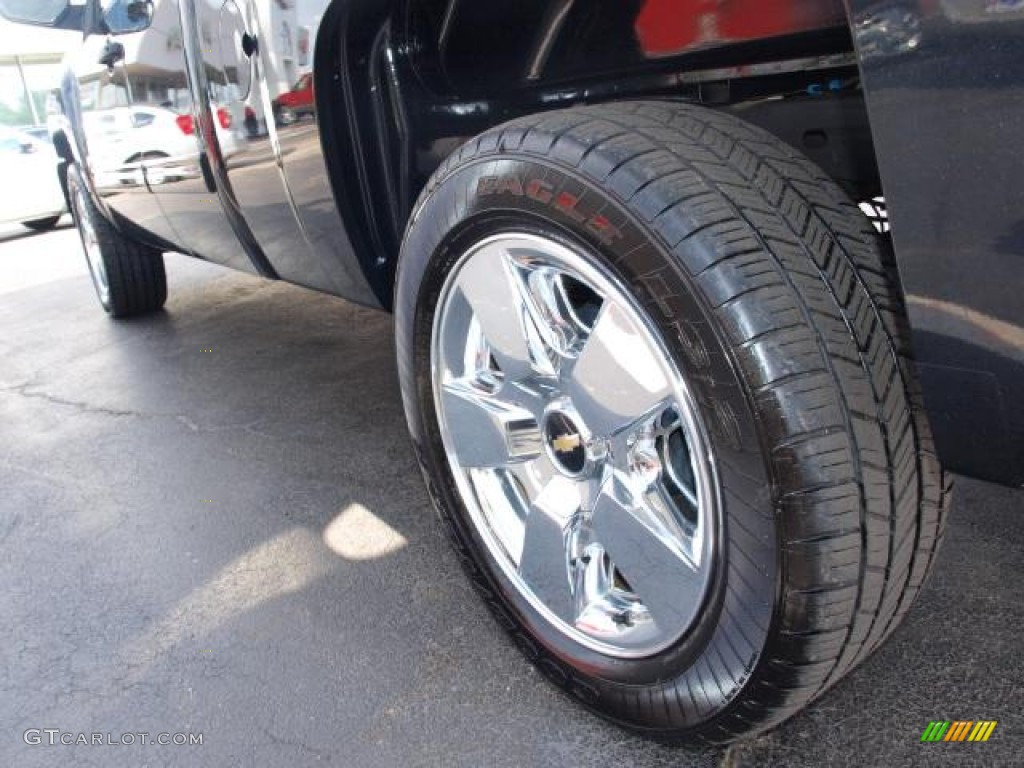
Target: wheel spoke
x,y
544,293
618,377
643,540
545,559
504,501
486,431
490,284
534,475
601,609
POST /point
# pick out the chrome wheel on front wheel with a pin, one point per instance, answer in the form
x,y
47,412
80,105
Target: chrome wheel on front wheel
x,y
576,444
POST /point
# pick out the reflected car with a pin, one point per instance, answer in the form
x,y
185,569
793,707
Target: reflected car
x,y
297,103
124,139
30,193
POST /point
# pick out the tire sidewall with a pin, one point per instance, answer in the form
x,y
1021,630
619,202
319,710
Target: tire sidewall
x,y
483,197
80,205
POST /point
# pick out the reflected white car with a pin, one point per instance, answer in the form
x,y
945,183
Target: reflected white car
x,y
30,192
124,139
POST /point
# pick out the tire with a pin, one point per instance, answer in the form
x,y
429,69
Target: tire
x,y
771,297
129,277
42,225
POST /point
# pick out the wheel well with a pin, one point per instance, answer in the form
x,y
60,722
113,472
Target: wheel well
x,y
397,92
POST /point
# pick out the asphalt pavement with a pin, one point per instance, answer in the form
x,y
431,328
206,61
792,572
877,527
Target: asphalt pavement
x,y
211,524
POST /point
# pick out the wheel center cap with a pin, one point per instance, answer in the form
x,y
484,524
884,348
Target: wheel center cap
x,y
565,443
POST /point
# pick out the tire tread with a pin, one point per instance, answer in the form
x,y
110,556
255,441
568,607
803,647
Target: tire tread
x,y
135,271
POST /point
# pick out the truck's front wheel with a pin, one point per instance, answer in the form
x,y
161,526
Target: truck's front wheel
x,y
657,370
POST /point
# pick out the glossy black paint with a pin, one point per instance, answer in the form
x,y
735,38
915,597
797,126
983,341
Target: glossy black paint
x,y
400,84
944,82
358,161
948,123
227,184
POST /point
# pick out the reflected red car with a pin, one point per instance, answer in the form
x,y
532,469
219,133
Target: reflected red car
x,y
296,103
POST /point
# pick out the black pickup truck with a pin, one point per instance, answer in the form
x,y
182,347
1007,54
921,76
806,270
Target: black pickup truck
x,y
696,301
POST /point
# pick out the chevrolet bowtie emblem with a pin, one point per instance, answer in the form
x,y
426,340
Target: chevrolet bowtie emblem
x,y
567,443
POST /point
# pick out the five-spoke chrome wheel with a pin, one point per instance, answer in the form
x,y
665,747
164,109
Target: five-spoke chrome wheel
x,y
575,443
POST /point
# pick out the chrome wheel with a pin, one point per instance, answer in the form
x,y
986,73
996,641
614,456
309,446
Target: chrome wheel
x,y
91,245
575,443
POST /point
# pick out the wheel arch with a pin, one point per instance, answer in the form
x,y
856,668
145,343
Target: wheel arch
x,y
397,91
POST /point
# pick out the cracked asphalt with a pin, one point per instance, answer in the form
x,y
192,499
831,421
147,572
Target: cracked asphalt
x,y
211,523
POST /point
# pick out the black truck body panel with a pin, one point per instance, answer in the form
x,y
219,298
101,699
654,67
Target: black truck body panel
x,y
947,120
399,84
